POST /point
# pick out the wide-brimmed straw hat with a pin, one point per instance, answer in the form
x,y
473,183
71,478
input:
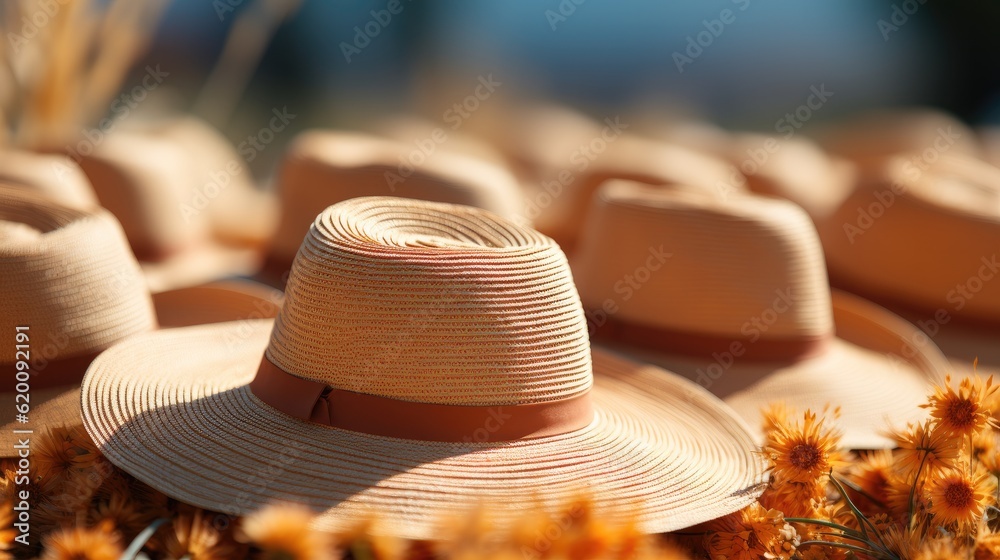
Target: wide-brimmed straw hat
x,y
325,167
428,356
186,203
732,293
923,238
73,285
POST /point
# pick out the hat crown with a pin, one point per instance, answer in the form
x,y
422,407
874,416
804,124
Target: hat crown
x,y
69,276
325,167
434,303
742,267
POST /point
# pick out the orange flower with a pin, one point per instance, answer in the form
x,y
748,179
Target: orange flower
x,y
919,444
802,451
871,473
774,415
750,534
97,543
284,531
987,546
794,499
193,535
964,411
957,497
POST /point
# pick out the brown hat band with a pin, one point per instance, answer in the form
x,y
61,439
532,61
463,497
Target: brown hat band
x,y
381,416
46,375
701,345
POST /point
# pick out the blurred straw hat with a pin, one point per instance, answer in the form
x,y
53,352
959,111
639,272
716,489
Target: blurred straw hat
x,y
54,175
732,293
325,167
793,168
183,201
428,356
69,276
924,239
217,302
562,196
877,134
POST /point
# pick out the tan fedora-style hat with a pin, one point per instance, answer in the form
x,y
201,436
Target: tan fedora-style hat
x,y
605,157
70,278
167,189
54,175
428,356
325,167
732,293
793,168
923,238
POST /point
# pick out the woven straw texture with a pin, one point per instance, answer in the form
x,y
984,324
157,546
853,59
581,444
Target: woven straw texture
x,y
730,262
323,168
173,407
56,176
435,304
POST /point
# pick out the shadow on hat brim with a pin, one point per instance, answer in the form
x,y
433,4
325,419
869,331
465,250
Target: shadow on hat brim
x,y
230,300
878,370
173,409
217,302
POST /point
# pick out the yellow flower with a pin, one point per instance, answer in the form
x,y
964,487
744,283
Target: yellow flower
x,y
284,531
750,534
963,411
802,451
898,494
97,543
957,497
986,451
937,548
774,415
901,541
919,444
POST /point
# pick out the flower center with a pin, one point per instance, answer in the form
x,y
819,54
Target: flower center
x,y
805,456
961,413
958,495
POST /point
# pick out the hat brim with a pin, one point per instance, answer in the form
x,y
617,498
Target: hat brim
x,y
198,265
173,409
50,408
217,302
962,342
223,301
877,371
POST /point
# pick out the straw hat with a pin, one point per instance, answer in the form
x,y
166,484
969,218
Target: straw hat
x,y
428,356
325,167
793,168
875,135
165,200
56,176
732,293
70,277
924,239
564,194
